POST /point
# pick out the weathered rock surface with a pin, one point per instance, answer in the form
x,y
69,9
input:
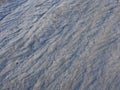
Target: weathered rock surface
x,y
60,45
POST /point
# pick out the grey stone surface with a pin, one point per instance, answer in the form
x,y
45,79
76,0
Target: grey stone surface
x,y
60,45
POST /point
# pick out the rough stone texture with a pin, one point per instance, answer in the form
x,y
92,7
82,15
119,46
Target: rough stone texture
x,y
60,45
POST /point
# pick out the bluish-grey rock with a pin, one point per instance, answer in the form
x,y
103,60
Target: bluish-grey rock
x,y
60,45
